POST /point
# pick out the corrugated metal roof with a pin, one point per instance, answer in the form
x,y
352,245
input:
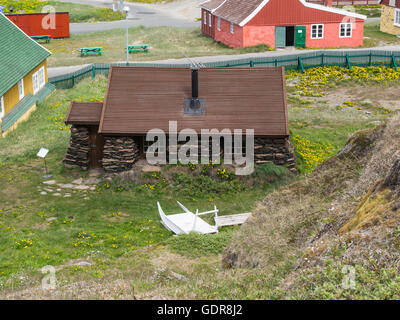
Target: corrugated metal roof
x,y
241,12
19,54
211,4
140,99
88,113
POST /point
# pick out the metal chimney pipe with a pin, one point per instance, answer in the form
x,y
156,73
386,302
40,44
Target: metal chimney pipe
x,y
195,102
195,83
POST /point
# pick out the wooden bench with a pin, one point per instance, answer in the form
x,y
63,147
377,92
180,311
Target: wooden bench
x,y
86,51
138,48
45,38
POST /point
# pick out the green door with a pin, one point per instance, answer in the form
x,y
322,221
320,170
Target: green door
x,y
280,37
300,37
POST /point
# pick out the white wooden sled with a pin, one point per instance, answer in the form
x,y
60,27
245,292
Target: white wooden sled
x,y
183,223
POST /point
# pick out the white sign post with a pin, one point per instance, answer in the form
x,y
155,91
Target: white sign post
x,y
42,154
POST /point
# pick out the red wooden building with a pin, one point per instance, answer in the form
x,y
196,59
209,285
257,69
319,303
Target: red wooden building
x,y
38,24
280,23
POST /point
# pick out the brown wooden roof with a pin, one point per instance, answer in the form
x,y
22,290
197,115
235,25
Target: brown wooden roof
x,y
139,99
84,113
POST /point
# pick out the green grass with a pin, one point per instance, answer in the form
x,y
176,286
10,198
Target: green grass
x,y
77,12
86,13
165,43
197,245
375,37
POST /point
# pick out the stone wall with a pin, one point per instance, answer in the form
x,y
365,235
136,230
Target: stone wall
x,y
120,153
78,151
387,21
277,151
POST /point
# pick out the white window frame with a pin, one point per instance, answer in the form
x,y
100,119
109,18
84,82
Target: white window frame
x,y
345,30
317,26
41,78
2,107
219,24
205,17
35,82
209,20
396,17
21,90
232,28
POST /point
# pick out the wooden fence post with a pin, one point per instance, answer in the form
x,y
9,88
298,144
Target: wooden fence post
x,y
394,62
348,62
322,59
300,64
93,71
370,59
251,64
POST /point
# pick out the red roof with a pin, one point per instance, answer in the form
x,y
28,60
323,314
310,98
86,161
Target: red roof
x,y
241,12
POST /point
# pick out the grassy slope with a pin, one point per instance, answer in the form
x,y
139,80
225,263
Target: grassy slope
x,y
86,13
77,12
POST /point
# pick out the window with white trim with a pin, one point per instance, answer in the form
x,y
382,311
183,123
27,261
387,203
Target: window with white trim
x,y
42,78
1,107
205,17
219,24
345,30
317,31
35,83
209,20
21,89
232,28
397,17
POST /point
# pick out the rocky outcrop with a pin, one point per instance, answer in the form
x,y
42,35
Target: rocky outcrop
x,y
120,153
78,151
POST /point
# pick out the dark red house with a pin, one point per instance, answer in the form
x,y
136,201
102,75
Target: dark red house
x,y
280,23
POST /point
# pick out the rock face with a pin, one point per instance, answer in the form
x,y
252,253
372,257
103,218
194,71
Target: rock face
x,y
120,153
277,151
392,180
78,150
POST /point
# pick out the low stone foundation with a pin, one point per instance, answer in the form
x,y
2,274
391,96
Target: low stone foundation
x,y
120,153
78,151
277,151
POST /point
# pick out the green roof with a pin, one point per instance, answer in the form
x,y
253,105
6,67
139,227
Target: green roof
x,y
19,54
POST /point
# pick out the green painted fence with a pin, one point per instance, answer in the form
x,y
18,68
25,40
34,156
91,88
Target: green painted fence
x,y
300,62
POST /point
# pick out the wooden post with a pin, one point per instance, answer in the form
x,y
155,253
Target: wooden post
x,y
73,81
93,71
251,64
300,64
322,59
348,62
370,59
394,62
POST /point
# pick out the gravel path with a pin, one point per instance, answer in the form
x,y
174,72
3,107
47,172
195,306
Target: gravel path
x,y
181,14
